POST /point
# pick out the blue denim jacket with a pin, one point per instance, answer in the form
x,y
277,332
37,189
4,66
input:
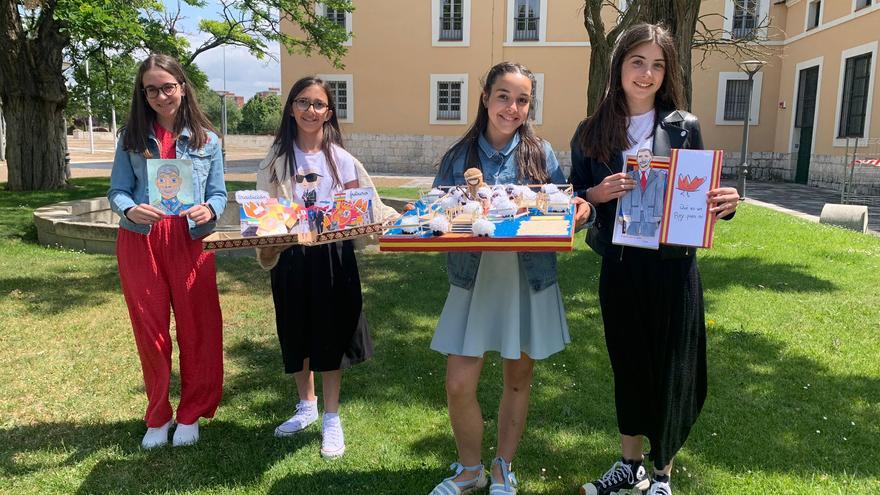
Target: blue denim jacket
x,y
128,180
499,167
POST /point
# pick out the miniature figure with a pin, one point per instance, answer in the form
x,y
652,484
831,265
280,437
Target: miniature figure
x,y
474,179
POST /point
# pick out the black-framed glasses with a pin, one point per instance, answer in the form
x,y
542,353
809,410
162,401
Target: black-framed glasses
x,y
167,89
303,104
310,177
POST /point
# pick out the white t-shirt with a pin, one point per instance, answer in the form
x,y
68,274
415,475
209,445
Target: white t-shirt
x,y
640,130
321,190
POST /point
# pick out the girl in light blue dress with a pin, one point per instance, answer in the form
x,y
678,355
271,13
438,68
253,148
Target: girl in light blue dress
x,y
505,302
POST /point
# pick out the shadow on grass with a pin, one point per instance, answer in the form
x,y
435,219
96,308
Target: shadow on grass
x,y
63,289
331,481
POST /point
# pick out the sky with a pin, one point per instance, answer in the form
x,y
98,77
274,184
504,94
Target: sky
x,y
244,74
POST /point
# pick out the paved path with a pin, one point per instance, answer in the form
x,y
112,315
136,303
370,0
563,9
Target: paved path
x,y
799,200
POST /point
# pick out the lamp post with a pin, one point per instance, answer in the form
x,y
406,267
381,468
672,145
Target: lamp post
x,y
750,67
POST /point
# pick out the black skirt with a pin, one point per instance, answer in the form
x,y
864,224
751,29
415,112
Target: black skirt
x,y
656,336
319,308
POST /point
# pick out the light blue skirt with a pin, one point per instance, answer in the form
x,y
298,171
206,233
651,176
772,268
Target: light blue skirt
x,y
502,313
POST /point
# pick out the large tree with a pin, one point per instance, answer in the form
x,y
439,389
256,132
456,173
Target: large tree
x,y
37,34
690,29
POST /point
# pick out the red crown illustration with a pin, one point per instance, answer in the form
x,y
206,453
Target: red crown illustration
x,y
685,183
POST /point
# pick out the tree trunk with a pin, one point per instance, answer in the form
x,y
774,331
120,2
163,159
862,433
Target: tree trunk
x,y
680,17
35,145
600,66
34,96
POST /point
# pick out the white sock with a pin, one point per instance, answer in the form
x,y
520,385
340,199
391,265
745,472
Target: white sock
x,y
186,434
329,416
156,437
311,404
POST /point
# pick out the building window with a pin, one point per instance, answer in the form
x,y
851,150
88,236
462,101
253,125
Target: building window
x,y
526,20
343,95
451,20
335,15
854,105
733,91
536,107
448,99
451,23
814,14
860,4
735,99
745,14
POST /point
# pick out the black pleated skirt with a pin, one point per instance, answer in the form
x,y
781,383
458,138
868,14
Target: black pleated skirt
x,y
319,308
656,336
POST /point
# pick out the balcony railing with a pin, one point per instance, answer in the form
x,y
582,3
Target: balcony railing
x,y
526,29
450,28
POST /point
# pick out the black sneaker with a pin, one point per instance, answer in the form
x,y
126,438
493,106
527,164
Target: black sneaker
x,y
619,477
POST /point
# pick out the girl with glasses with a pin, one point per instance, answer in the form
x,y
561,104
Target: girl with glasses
x,y
161,262
652,301
317,290
505,302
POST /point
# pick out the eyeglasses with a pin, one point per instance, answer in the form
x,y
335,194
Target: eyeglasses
x,y
167,89
310,177
303,105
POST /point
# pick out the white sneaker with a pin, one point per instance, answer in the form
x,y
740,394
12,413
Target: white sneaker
x,y
155,437
660,488
306,414
333,440
185,434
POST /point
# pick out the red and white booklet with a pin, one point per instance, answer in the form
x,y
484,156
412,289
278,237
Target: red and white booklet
x,y
686,217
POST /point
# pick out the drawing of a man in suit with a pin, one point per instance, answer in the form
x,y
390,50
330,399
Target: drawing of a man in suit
x,y
642,209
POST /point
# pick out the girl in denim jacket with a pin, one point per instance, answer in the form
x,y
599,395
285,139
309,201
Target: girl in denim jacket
x,y
498,301
161,262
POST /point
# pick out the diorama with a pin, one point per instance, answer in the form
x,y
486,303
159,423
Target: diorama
x,y
266,221
478,217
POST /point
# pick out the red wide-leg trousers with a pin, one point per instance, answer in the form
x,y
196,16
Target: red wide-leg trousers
x,y
169,270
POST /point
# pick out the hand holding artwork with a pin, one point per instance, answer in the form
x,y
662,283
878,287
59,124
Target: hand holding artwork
x,y
582,211
199,214
612,187
144,214
722,201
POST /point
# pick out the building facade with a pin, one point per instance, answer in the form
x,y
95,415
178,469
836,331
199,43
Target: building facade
x,y
411,82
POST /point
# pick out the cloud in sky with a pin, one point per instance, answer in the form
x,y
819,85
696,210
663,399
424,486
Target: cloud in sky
x,y
245,74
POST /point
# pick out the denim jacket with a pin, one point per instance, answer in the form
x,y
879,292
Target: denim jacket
x,y
128,180
499,167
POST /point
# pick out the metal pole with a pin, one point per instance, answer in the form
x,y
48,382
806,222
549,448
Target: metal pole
x,y
744,160
89,108
223,119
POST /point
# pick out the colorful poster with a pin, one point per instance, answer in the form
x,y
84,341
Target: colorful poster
x,y
640,211
170,185
686,218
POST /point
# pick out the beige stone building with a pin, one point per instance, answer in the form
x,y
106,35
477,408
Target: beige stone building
x,y
411,80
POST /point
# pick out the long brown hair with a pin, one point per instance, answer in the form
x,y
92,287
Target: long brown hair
x,y
530,160
142,116
287,132
604,133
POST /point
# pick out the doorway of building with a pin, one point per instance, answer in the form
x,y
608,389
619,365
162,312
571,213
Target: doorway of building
x,y
803,122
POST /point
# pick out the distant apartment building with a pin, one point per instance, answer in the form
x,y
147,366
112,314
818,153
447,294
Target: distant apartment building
x,y
269,92
411,82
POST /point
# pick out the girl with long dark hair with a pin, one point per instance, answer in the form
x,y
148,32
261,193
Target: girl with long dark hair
x,y
317,290
652,301
161,262
509,303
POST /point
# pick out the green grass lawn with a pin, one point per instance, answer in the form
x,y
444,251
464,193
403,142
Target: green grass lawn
x,y
793,312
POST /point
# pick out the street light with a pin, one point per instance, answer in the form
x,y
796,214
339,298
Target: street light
x,y
750,67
